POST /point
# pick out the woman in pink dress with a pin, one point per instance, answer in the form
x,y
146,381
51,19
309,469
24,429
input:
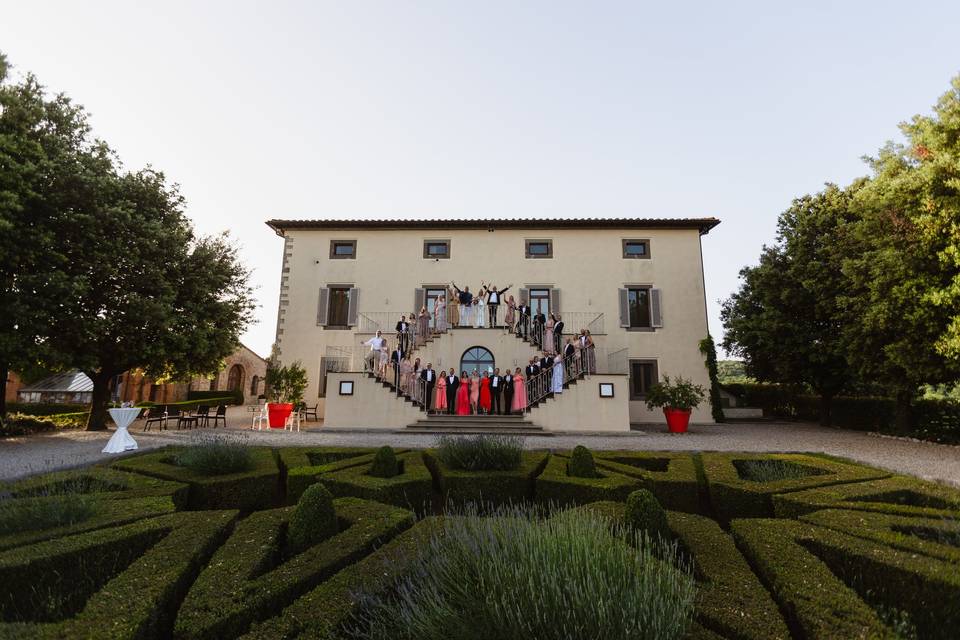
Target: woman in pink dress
x,y
440,395
548,338
474,392
463,396
485,393
509,316
423,326
519,392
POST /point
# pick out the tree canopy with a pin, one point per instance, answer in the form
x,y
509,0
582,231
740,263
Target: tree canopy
x,y
101,265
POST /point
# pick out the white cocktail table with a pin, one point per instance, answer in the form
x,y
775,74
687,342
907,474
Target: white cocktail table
x,y
122,440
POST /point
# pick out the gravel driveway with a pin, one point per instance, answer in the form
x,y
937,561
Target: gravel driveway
x,y
46,452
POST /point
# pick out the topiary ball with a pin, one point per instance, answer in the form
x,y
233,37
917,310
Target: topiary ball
x,y
385,463
581,464
644,513
313,519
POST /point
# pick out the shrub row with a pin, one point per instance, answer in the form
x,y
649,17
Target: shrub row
x,y
934,420
300,466
554,486
732,496
252,490
670,476
328,609
19,424
249,578
230,397
46,408
412,488
458,486
149,565
934,538
103,481
895,495
824,580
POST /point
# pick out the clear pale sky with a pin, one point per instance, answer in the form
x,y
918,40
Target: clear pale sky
x,y
491,109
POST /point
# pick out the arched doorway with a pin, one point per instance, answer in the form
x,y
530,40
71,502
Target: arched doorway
x,y
235,378
254,386
477,358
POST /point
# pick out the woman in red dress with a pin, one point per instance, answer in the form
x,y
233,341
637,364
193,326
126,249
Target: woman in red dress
x,y
485,393
463,395
475,392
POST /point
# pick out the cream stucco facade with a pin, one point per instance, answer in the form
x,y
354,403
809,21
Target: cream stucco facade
x,y
586,270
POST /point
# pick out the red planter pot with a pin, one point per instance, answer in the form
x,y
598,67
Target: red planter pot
x,y
278,413
677,419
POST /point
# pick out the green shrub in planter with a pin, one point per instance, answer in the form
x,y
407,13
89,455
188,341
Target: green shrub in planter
x,y
313,520
384,463
645,514
581,463
678,394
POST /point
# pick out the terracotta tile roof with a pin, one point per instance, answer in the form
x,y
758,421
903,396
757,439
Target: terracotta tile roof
x,y
703,224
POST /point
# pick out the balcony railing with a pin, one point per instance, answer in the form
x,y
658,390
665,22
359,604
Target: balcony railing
x,y
386,321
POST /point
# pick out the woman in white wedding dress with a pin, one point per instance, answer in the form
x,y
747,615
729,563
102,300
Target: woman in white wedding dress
x,y
480,309
556,384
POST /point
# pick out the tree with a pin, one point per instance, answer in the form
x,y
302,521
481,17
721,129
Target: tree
x,y
43,142
785,321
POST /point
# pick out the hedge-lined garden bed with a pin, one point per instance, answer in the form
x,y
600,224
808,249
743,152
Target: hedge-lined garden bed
x,y
168,551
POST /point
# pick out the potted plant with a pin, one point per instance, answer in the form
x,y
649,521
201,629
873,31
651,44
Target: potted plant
x,y
677,398
285,386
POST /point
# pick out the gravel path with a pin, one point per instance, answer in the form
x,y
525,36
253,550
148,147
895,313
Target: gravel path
x,y
47,452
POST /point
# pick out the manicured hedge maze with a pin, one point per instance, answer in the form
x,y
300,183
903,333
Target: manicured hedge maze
x,y
783,546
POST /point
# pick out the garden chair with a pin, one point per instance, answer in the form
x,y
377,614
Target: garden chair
x,y
292,420
203,415
187,420
220,415
261,419
173,413
156,415
307,412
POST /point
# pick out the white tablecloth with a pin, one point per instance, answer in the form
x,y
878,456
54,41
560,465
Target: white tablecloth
x,y
122,440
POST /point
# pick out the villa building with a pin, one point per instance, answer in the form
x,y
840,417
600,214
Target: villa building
x,y
636,284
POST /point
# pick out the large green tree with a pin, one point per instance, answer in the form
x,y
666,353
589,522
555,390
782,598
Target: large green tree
x,y
42,143
102,265
785,321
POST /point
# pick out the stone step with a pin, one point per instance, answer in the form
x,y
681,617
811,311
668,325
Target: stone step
x,y
435,431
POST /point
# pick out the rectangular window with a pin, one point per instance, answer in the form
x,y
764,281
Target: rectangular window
x,y
637,249
638,300
436,249
540,302
539,248
432,294
643,375
343,249
339,307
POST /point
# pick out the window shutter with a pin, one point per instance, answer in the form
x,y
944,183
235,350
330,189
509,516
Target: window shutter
x,y
419,300
554,300
656,311
352,307
323,378
524,295
323,307
624,295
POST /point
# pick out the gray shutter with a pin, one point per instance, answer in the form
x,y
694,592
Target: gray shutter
x,y
353,306
554,300
624,295
323,378
656,311
323,307
419,300
524,296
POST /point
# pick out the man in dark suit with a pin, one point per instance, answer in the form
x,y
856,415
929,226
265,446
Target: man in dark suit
x,y
569,351
557,334
403,334
496,388
539,320
532,369
453,383
396,357
545,362
523,319
507,393
429,376
493,301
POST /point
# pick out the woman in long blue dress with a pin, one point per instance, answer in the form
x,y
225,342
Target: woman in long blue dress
x,y
556,385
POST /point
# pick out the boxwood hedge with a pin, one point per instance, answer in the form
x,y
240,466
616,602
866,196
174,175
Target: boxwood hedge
x,y
457,486
824,580
258,488
123,582
733,496
894,495
250,577
411,489
671,477
104,482
300,466
555,486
